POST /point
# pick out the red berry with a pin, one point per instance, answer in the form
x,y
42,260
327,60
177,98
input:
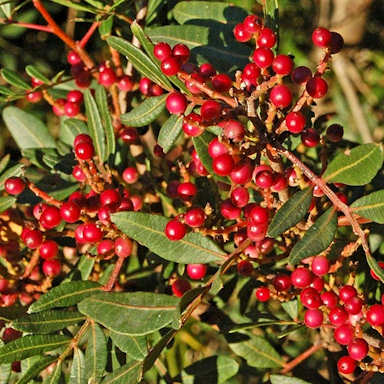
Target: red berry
x,y
84,151
83,79
301,277
196,271
191,125
221,82
259,215
252,23
216,148
82,138
282,282
111,198
10,334
207,70
245,268
48,249
358,349
242,33
105,247
346,365
313,318
338,316
71,109
279,183
310,298
191,83
58,107
375,315
263,57
281,96
79,234
344,334
123,247
232,129
282,65
256,232
130,175
222,165
78,173
75,96
263,294
337,42
295,122
210,110
180,286
320,265
347,292
317,283
125,83
92,233
4,284
162,51
73,58
317,87
175,230
104,214
107,77
144,85
329,299
50,217
34,97
301,75
240,197
264,179
310,138
181,53
267,38
321,37
250,75
170,66
51,268
195,217
241,172
129,135
186,191
14,185
176,103
335,133
353,305
229,211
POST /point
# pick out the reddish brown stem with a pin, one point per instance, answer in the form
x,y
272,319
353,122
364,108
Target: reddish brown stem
x,y
62,35
115,274
83,42
37,27
31,265
44,195
303,356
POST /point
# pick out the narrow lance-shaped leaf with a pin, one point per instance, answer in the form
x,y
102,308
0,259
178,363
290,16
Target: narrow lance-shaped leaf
x,y
134,346
4,162
65,295
148,230
169,132
127,374
271,11
144,113
95,125
317,239
379,272
16,170
47,321
27,346
96,353
36,368
78,373
55,376
5,370
134,313
371,206
102,102
70,128
290,213
279,379
36,74
6,202
14,79
257,352
140,61
27,130
357,166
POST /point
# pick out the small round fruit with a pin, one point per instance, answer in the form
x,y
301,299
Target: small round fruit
x,y
282,282
295,122
346,365
281,96
320,265
321,37
73,58
32,238
196,271
180,286
84,151
195,217
358,349
14,185
210,110
51,268
241,33
313,318
245,268
175,230
338,316
301,75
176,103
375,315
222,165
162,51
70,212
335,133
317,87
130,175
263,57
329,299
123,247
48,249
347,292
310,298
301,277
282,65
170,66
92,233
50,217
344,334
263,294
310,138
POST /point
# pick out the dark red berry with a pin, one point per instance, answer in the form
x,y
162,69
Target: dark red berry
x,y
221,82
110,197
317,87
338,316
75,96
10,334
129,135
335,133
353,305
310,298
241,172
14,185
245,268
82,138
347,292
196,271
264,179
373,274
192,125
329,299
259,215
282,282
301,75
337,42
216,148
210,110
207,70
310,137
32,238
180,286
92,233
175,230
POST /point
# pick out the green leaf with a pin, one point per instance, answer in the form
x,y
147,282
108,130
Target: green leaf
x,y
65,295
47,321
214,369
153,8
73,5
371,206
70,128
5,369
4,162
317,239
208,10
148,47
85,266
169,132
27,130
292,308
260,324
63,193
36,368
96,353
257,352
134,346
105,27
133,313
15,79
127,374
78,373
376,268
279,379
6,91
12,313
148,230
290,213
358,166
102,103
140,61
144,113
35,73
7,10
271,14
56,375
27,346
6,202
16,170
95,124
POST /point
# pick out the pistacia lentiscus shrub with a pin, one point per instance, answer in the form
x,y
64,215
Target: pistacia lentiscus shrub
x,y
186,216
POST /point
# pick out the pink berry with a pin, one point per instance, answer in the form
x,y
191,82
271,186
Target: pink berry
x,y
221,82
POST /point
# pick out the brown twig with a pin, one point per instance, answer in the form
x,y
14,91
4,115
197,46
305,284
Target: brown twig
x,y
44,195
299,359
